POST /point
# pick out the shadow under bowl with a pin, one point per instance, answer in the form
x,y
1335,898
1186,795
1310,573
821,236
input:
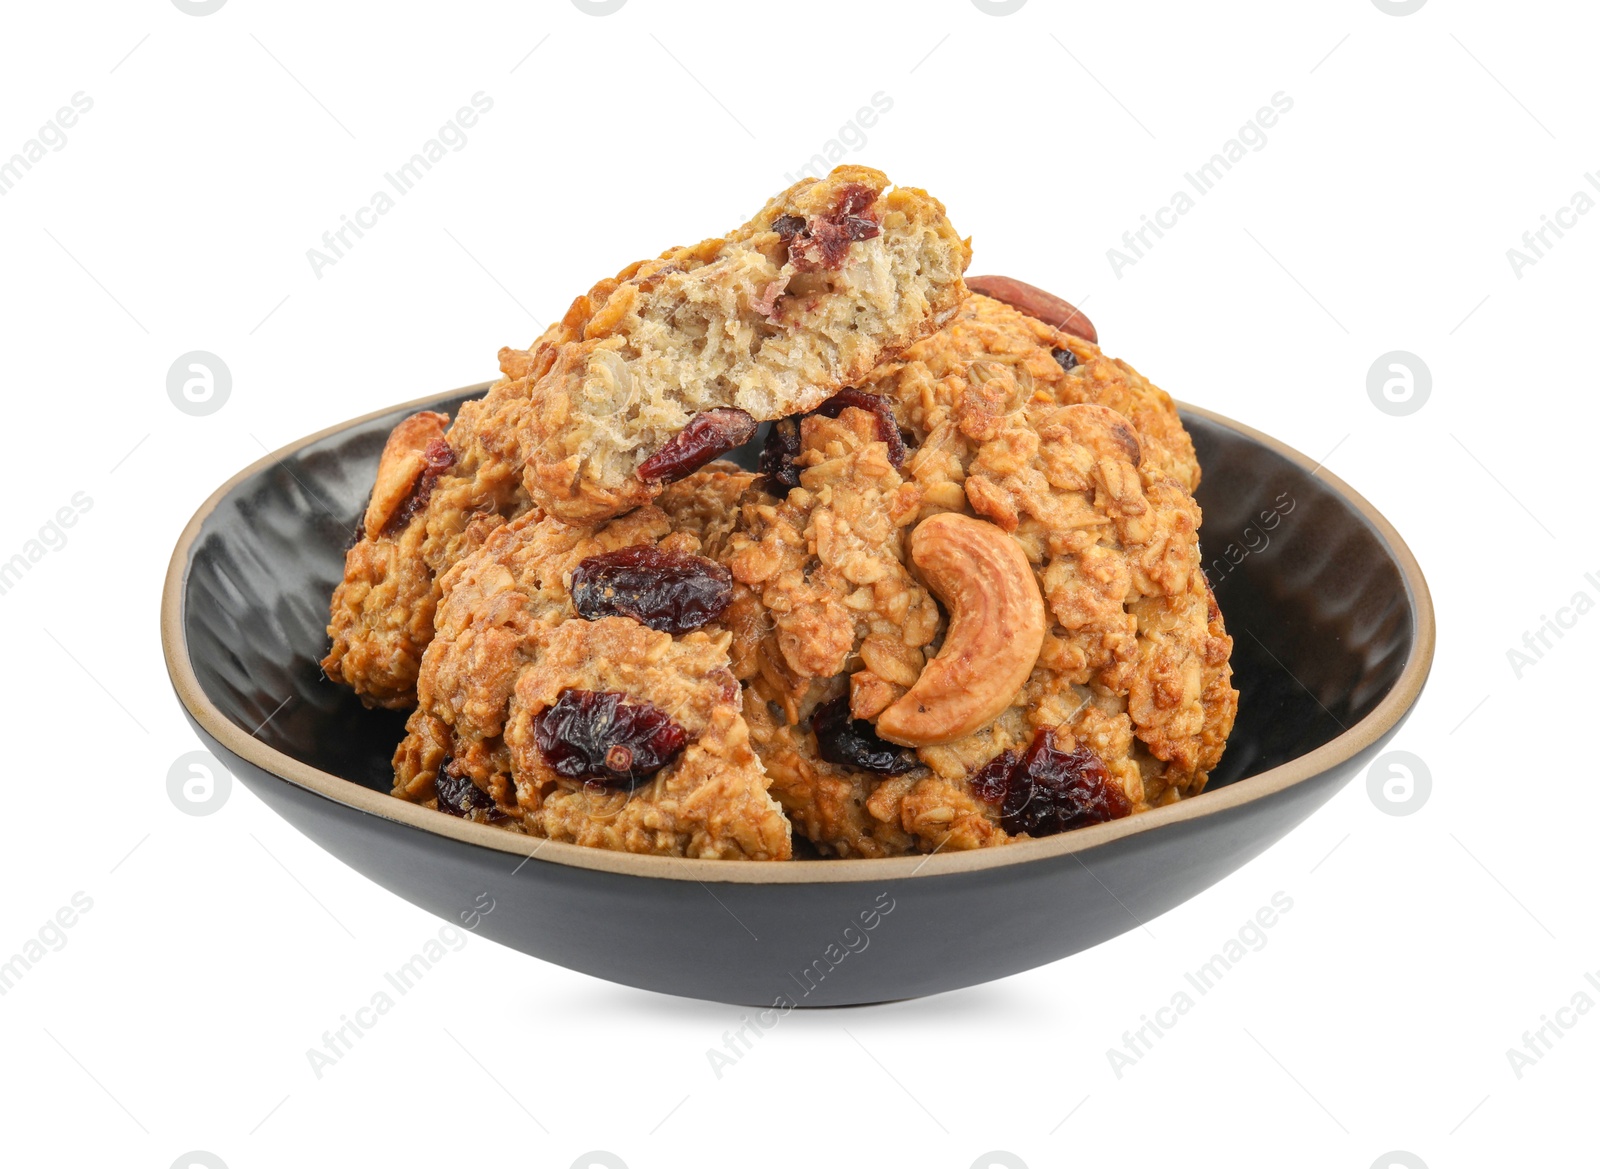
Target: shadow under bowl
x,y
1333,638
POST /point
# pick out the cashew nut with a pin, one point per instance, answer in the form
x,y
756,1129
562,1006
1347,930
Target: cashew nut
x,y
996,630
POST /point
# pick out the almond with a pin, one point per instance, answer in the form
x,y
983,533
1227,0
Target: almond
x,y
1036,302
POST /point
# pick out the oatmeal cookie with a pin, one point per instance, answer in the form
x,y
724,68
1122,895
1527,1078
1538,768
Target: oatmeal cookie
x,y
524,650
1128,702
673,361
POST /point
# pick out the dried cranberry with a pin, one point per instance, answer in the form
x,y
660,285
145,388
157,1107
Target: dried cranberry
x,y
788,226
778,455
854,198
888,430
708,434
437,459
458,795
1050,790
670,591
438,455
1065,358
824,242
989,782
851,742
600,735
827,242
856,227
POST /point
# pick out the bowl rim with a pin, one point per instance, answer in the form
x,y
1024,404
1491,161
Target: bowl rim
x,y
1340,749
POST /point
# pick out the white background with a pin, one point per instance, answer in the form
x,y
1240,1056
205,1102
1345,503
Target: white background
x,y
1377,217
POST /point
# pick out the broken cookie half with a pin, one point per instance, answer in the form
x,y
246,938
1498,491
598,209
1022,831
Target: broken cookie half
x,y
675,361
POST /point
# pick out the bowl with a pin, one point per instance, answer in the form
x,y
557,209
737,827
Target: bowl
x,y
1333,638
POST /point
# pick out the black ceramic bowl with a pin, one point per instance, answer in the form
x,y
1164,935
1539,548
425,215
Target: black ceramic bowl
x,y
1333,634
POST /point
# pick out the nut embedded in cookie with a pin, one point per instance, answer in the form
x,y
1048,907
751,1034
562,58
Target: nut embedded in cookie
x,y
996,627
1037,303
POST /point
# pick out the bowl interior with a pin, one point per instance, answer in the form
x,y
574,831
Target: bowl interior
x,y
1317,608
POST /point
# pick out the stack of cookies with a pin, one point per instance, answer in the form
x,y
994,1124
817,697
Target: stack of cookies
x,y
957,602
